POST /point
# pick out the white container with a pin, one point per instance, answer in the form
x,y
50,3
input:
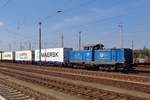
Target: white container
x,y
53,54
0,56
8,56
24,55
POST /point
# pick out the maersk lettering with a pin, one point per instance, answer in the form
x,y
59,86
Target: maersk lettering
x,y
7,55
50,54
23,54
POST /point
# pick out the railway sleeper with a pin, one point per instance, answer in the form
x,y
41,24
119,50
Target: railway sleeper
x,y
22,98
15,95
35,94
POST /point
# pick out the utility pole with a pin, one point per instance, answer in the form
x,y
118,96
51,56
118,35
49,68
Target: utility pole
x,y
80,40
133,50
13,45
40,42
132,45
30,45
10,47
62,40
25,45
21,47
121,34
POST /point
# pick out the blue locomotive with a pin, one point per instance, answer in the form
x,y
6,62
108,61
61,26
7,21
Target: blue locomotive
x,y
102,59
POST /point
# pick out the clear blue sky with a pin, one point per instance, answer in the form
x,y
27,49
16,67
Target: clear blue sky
x,y
97,19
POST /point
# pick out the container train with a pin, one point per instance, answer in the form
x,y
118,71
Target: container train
x,y
91,58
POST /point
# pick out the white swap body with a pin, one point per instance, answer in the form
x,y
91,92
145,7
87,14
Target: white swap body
x,y
53,54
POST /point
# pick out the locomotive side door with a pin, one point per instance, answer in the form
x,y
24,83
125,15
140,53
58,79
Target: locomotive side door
x,y
114,55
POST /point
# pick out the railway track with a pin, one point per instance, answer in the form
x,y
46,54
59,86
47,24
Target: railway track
x,y
141,70
132,85
86,92
12,91
135,78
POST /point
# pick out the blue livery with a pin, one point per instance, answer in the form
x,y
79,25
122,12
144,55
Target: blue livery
x,y
103,59
81,56
113,56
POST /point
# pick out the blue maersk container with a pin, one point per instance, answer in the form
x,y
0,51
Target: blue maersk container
x,y
81,56
113,56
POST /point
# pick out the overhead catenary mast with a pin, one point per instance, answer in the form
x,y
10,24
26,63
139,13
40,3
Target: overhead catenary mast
x,y
40,42
133,50
62,40
30,47
21,47
132,45
10,48
80,40
121,34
